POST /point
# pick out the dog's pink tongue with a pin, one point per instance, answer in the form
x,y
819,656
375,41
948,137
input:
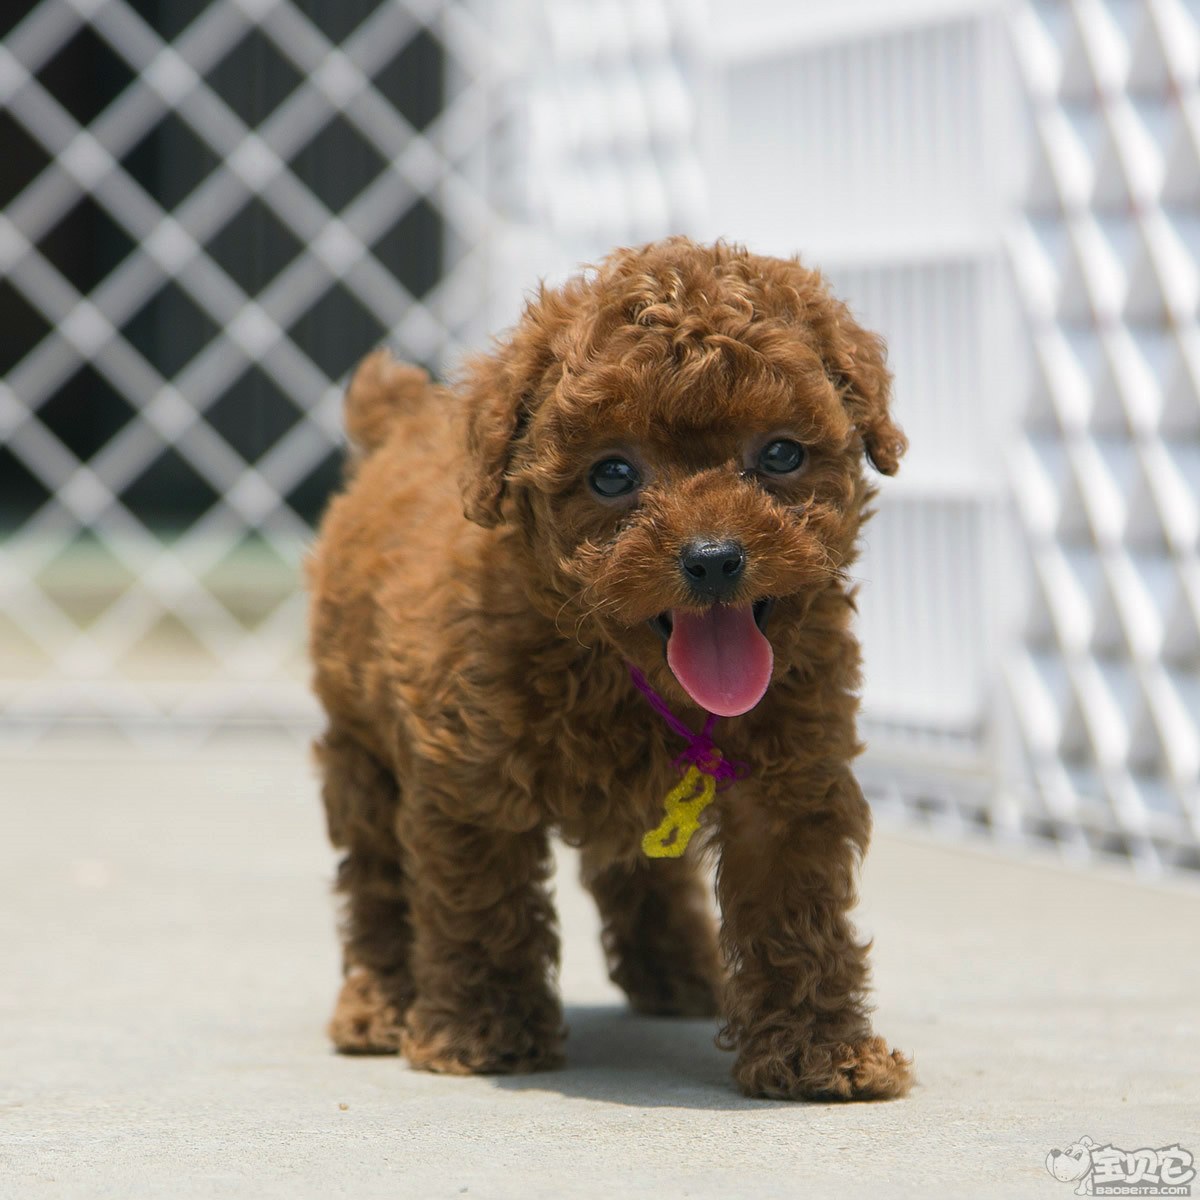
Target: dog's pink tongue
x,y
721,658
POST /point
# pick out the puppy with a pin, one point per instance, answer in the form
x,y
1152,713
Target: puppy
x,y
664,454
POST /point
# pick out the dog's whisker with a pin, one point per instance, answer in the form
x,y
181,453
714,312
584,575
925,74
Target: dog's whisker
x,y
588,609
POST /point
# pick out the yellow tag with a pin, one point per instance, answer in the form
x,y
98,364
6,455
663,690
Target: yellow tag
x,y
683,806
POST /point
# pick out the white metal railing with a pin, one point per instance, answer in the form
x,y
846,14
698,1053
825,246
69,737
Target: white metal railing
x,y
1106,686
1055,424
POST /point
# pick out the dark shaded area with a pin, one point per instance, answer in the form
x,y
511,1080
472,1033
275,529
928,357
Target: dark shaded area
x,y
254,247
414,82
168,18
617,1057
252,414
85,412
254,78
23,327
172,490
169,330
24,157
308,497
337,19
86,75
337,331
13,12
169,162
86,244
411,249
22,493
338,164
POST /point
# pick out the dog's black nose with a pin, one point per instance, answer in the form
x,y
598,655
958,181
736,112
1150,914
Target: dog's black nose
x,y
711,568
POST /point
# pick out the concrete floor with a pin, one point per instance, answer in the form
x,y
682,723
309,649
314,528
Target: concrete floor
x,y
169,962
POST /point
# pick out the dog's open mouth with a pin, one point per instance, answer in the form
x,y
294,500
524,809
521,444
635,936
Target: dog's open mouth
x,y
721,656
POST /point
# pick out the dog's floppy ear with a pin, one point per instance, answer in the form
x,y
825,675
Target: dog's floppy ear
x,y
500,392
856,361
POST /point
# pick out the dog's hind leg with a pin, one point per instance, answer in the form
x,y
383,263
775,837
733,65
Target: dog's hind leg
x,y
659,934
361,800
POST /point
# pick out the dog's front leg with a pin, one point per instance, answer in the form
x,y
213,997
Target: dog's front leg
x,y
796,1007
485,948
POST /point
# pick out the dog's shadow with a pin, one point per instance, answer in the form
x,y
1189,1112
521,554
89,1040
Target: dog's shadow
x,y
616,1057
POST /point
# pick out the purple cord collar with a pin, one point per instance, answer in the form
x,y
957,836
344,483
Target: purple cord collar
x,y
701,751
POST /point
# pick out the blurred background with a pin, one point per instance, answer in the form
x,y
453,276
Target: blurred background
x,y
213,208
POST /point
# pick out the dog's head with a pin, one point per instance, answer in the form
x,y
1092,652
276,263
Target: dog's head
x,y
1072,1164
677,440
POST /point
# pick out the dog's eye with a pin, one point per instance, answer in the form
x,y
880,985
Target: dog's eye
x,y
781,457
613,477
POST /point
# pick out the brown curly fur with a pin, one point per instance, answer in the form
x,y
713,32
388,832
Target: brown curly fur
x,y
474,673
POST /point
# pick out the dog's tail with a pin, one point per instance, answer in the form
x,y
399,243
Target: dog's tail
x,y
382,390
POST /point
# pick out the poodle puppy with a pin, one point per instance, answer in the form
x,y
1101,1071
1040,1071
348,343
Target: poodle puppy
x,y
665,454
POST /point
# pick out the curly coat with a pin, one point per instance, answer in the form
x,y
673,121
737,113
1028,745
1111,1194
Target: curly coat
x,y
474,669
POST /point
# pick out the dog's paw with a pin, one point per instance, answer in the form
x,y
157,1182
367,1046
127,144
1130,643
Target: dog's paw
x,y
862,1070
365,1020
482,1043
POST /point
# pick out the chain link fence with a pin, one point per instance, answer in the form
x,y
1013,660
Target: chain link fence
x,y
212,210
